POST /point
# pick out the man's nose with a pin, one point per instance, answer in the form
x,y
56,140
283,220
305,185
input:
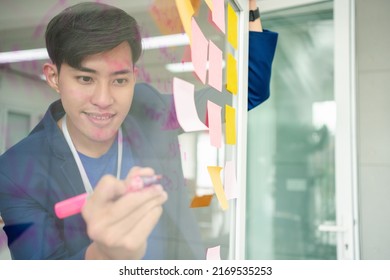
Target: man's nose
x,y
102,96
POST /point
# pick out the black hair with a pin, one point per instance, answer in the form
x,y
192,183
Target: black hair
x,y
90,28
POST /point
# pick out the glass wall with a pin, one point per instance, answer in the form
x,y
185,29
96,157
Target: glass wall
x,y
291,165
185,231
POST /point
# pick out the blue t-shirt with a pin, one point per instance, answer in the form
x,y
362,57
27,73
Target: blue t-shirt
x,y
96,168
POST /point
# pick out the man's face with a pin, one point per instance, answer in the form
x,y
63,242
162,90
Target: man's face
x,y
98,96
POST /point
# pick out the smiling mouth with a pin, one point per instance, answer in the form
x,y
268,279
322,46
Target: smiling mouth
x,y
100,117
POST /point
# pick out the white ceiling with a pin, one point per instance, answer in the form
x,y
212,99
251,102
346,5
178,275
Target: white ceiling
x,y
25,13
23,23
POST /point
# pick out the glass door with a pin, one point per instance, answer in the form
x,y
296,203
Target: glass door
x,y
293,202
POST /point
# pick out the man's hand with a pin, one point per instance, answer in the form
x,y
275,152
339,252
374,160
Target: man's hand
x,y
118,221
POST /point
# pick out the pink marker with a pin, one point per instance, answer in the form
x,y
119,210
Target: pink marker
x,y
73,205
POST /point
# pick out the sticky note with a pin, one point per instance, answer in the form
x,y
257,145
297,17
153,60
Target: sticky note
x,y
215,123
165,15
230,180
215,66
230,119
214,172
231,74
218,14
232,30
199,51
201,201
184,98
196,6
186,11
209,3
213,253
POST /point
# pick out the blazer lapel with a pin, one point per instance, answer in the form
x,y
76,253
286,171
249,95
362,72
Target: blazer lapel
x,y
71,183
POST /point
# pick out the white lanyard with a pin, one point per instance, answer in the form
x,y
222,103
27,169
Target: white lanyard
x,y
84,177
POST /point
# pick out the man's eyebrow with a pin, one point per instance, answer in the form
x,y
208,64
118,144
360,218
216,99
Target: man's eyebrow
x,y
85,69
120,72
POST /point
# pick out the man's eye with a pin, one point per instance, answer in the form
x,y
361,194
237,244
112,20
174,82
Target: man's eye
x,y
120,81
84,79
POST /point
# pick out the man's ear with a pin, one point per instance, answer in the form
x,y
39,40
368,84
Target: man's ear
x,y
51,73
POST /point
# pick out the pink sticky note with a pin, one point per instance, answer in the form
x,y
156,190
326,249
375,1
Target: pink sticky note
x,y
199,50
215,124
215,66
214,253
230,180
218,16
184,97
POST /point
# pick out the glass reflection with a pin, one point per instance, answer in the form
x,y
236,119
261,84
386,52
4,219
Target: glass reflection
x,y
291,176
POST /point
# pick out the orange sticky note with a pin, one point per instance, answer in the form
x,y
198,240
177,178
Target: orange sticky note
x,y
184,97
231,69
186,11
232,30
230,118
165,15
201,201
215,123
215,67
214,172
196,5
199,51
213,253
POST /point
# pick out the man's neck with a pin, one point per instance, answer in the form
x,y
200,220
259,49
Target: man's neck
x,y
93,149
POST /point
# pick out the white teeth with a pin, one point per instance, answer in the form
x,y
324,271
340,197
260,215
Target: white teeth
x,y
100,117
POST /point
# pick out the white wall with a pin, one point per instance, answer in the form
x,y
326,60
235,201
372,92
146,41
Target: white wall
x,y
373,130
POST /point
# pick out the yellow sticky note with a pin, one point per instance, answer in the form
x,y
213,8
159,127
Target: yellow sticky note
x,y
232,27
231,69
210,4
186,11
230,117
217,183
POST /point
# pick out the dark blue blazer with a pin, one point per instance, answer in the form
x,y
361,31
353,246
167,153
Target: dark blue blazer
x,y
40,171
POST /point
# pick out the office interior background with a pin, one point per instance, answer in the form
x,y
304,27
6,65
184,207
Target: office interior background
x,y
318,153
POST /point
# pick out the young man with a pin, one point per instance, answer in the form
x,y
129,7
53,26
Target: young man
x,y
90,140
